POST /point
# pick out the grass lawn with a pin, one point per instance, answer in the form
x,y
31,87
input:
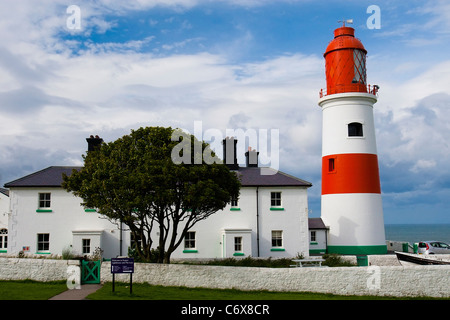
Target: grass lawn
x,y
30,290
152,292
33,290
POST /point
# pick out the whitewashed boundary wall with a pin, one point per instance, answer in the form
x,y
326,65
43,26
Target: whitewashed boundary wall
x,y
431,281
35,269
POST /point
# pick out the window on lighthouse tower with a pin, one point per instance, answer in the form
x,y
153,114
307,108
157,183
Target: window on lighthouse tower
x,y
359,59
355,129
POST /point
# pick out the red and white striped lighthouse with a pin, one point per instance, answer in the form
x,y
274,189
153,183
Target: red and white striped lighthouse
x,y
351,202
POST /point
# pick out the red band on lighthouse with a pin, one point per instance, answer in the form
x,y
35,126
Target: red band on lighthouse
x,y
350,173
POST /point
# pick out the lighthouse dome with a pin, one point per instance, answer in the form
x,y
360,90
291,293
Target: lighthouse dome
x,y
345,63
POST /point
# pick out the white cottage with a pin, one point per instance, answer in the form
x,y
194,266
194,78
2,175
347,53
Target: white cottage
x,y
270,219
4,210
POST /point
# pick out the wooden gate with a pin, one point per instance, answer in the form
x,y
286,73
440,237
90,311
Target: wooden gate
x,y
90,271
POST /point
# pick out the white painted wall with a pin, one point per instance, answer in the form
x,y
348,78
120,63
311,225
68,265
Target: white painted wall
x,y
320,244
68,224
293,221
355,219
4,209
66,216
338,110
433,281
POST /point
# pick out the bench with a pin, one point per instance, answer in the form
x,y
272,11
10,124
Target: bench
x,y
307,262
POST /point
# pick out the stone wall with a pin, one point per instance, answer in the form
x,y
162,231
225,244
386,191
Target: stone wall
x,y
432,281
35,269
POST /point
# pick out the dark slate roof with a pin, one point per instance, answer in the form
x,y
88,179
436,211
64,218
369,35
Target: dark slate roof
x,y
250,177
316,223
4,191
258,177
49,177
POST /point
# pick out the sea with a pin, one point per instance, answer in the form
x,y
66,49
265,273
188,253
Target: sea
x,y
413,233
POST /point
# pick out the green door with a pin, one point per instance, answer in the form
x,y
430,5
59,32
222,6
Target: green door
x,y
90,271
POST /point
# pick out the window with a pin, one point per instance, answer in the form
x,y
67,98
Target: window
x,y
44,200
43,242
331,164
277,238
355,129
234,204
189,240
313,236
234,201
86,246
3,238
238,244
359,59
275,199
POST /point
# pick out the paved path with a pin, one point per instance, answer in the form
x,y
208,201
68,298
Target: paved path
x,y
77,294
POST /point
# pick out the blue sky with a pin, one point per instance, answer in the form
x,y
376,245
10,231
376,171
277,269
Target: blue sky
x,y
250,64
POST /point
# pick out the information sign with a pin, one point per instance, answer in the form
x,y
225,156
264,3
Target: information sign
x,y
122,265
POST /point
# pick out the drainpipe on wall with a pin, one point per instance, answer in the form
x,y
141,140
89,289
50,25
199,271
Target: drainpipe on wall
x,y
120,238
257,222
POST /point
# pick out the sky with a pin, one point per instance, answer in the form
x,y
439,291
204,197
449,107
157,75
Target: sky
x,y
71,69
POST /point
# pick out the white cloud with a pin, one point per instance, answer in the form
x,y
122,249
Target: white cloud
x,y
52,99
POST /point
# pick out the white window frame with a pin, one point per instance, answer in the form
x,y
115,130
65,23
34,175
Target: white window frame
x,y
313,236
86,244
45,203
44,242
272,198
277,236
3,239
238,244
190,243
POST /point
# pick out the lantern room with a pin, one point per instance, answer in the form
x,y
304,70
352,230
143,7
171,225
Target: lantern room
x,y
345,63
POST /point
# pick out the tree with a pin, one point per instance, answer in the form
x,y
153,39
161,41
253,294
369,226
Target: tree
x,y
136,180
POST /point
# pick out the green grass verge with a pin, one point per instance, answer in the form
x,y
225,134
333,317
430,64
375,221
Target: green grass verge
x,y
30,290
33,290
143,291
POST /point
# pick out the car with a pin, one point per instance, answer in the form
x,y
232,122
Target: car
x,y
433,247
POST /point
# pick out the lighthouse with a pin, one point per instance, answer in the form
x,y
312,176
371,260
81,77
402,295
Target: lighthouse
x,y
351,204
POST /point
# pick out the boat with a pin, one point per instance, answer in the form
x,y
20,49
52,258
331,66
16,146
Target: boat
x,y
408,259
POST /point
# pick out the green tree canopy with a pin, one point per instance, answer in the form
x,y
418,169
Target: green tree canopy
x,y
140,181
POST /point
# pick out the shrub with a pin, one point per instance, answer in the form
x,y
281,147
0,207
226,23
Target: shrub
x,y
67,253
334,260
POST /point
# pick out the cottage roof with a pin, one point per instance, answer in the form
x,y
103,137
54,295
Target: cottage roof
x,y
268,177
49,177
249,176
316,223
4,191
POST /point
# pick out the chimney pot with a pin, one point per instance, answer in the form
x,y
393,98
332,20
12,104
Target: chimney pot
x,y
251,158
229,153
94,142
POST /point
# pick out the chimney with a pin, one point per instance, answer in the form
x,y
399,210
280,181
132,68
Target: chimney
x,y
94,142
229,153
251,158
